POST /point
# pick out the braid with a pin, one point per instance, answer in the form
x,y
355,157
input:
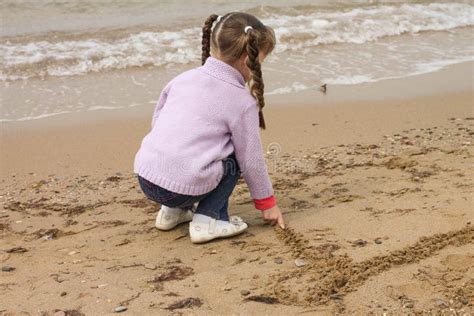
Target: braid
x,y
256,88
206,37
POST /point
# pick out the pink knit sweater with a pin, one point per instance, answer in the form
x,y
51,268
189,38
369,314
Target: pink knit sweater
x,y
203,115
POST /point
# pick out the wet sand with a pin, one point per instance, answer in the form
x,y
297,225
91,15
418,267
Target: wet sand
x,y
377,195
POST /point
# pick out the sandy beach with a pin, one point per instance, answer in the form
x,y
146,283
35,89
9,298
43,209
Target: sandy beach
x,y
375,182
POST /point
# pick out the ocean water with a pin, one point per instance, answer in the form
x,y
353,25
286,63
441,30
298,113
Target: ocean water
x,y
60,57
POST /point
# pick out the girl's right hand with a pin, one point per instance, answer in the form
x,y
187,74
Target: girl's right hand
x,y
274,216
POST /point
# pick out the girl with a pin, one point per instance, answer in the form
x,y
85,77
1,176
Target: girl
x,y
205,134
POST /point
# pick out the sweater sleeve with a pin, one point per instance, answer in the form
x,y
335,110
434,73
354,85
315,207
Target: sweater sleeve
x,y
161,102
249,153
265,204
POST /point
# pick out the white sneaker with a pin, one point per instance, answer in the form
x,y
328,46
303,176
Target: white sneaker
x,y
205,228
169,217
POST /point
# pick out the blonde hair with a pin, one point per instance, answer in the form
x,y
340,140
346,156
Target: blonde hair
x,y
229,40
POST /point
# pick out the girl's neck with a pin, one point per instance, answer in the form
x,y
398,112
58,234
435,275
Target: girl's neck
x,y
239,65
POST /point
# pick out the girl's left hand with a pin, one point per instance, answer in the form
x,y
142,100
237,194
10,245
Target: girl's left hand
x,y
274,216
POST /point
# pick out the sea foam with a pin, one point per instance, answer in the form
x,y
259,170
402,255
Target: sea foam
x,y
308,30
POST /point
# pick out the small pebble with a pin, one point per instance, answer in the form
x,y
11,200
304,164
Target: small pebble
x,y
278,260
360,242
378,241
408,304
120,309
63,293
245,292
213,252
150,266
441,303
59,313
48,237
464,300
300,263
227,288
335,296
7,269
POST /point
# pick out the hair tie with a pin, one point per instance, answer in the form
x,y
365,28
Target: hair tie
x,y
247,28
218,18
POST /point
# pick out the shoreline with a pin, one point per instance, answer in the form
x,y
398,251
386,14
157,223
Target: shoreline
x,y
345,114
459,76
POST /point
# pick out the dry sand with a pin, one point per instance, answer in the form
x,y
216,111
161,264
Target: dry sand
x,y
377,195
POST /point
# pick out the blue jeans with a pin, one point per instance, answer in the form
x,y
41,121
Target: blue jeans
x,y
214,203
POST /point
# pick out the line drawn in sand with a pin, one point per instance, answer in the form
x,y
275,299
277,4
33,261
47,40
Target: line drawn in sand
x,y
328,277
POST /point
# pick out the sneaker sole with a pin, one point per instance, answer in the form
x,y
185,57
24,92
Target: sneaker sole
x,y
169,227
200,240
